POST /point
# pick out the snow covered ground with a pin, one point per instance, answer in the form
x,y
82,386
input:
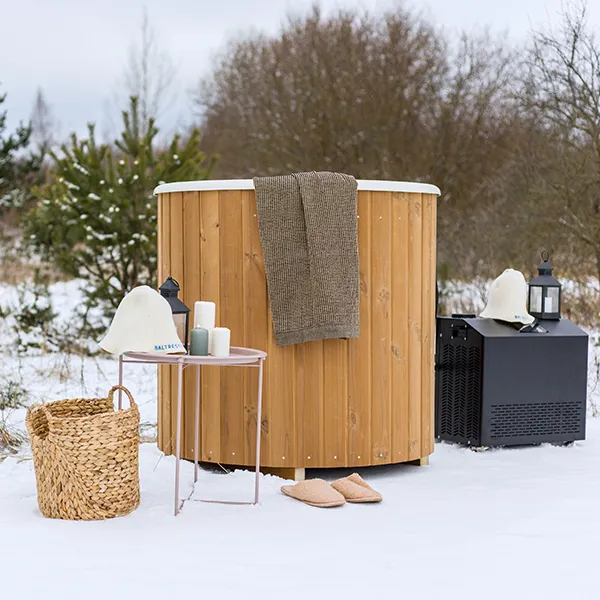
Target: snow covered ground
x,y
521,523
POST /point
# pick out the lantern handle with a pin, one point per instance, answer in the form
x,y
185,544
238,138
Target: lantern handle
x,y
176,282
545,256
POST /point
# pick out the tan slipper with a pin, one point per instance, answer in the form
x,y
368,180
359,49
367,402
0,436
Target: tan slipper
x,y
355,489
314,492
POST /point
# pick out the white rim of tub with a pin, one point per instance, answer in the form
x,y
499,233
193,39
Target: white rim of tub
x,y
364,185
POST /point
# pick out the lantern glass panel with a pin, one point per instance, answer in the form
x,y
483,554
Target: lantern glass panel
x,y
551,300
535,299
180,322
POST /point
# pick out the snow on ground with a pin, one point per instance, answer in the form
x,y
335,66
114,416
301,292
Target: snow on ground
x,y
521,524
508,523
53,376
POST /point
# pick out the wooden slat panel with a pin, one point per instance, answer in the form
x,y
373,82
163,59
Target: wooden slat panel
x,y
381,227
359,369
210,279
310,403
232,316
255,325
191,291
400,330
280,379
428,318
164,372
335,402
177,272
415,253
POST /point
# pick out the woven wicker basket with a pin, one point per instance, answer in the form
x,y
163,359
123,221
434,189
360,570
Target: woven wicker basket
x,y
85,456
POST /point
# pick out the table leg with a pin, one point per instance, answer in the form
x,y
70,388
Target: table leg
x,y
120,396
197,423
258,429
178,435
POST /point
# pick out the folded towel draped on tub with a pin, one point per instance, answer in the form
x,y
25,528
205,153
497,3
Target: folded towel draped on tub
x,y
309,238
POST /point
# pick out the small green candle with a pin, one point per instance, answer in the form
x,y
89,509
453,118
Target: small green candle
x,y
199,341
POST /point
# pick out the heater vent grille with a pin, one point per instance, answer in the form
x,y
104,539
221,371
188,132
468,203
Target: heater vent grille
x,y
535,419
460,392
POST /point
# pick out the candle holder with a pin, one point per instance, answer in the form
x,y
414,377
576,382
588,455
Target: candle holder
x,y
545,292
181,313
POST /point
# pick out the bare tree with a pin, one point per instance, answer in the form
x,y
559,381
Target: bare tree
x,y
149,75
43,124
563,90
477,136
384,97
326,93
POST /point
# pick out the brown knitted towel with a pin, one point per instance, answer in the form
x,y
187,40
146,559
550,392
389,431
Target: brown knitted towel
x,y
309,237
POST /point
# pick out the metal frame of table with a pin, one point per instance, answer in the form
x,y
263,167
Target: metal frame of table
x,y
238,357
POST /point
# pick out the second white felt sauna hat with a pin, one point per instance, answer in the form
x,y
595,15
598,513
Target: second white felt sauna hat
x,y
507,299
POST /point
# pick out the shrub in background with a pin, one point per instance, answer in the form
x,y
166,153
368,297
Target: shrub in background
x,y
35,324
97,218
12,397
18,170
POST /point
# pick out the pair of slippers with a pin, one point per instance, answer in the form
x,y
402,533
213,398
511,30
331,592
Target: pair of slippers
x,y
319,493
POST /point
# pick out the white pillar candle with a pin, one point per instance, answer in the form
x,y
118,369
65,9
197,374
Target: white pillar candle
x,y
204,314
221,337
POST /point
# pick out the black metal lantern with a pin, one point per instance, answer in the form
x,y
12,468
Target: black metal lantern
x,y
181,313
544,293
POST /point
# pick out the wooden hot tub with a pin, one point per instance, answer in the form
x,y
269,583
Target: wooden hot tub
x,y
331,403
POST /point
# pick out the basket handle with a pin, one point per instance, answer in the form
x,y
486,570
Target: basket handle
x,y
44,410
114,388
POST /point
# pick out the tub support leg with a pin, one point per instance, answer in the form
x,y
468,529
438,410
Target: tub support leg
x,y
285,472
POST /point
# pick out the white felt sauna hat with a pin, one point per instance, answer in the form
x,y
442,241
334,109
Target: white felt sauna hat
x,y
507,299
143,323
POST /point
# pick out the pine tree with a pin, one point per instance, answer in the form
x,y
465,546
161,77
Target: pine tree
x,y
17,170
97,218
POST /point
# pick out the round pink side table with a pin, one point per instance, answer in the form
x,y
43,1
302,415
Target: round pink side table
x,y
238,357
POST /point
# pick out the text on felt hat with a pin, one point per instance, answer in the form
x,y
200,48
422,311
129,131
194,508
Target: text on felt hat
x,y
167,346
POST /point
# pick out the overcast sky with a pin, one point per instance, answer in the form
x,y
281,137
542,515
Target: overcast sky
x,y
76,49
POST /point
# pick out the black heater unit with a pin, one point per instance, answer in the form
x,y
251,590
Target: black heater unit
x,y
498,386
